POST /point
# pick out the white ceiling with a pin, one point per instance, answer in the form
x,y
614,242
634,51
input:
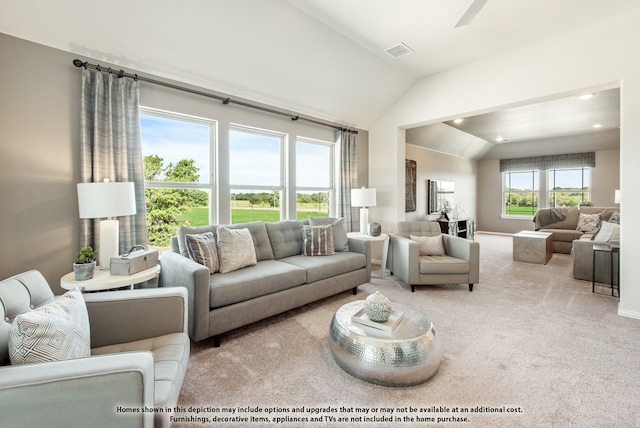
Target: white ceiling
x,y
317,57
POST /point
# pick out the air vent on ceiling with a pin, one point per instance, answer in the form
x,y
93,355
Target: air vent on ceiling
x,y
399,50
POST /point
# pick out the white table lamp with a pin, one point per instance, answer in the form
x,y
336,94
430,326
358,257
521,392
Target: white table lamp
x,y
363,198
616,196
107,199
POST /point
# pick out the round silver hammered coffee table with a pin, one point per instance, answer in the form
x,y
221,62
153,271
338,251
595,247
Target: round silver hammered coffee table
x,y
408,355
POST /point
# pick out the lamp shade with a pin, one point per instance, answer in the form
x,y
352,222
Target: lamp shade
x,y
617,196
363,197
98,200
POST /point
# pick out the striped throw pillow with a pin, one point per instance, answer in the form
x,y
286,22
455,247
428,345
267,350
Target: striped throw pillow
x,y
202,249
317,240
429,245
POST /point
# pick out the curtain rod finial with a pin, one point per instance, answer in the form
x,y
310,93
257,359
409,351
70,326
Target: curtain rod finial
x,y
79,63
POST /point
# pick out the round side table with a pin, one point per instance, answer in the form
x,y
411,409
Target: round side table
x,y
408,355
384,238
103,280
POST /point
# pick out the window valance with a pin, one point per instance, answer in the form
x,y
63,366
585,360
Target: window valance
x,y
569,160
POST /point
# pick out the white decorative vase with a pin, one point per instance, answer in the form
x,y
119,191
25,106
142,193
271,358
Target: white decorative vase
x,y
377,307
84,271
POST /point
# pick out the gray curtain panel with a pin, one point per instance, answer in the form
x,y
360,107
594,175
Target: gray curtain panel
x,y
348,176
111,148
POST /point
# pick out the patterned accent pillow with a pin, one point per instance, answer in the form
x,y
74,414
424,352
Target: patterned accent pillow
x,y
56,331
235,249
340,238
588,223
429,245
202,249
318,240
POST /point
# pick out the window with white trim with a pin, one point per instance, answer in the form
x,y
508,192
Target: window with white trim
x,y
178,155
256,174
520,192
567,187
314,178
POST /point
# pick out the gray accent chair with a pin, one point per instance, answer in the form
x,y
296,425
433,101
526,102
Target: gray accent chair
x,y
139,356
459,265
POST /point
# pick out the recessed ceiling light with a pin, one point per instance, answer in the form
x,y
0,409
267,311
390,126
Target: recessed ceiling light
x,y
596,125
458,120
585,96
501,140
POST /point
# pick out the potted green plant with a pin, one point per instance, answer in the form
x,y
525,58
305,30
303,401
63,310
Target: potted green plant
x,y
85,264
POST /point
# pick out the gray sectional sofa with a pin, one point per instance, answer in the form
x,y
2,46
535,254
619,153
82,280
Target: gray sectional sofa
x,y
563,223
569,239
282,278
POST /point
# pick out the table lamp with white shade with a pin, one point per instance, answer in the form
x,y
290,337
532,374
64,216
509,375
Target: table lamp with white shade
x,y
107,199
363,198
616,196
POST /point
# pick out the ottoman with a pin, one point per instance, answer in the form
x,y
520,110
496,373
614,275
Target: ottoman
x,y
533,247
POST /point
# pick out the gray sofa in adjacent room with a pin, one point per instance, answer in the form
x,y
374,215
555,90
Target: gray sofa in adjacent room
x,y
563,223
576,239
281,278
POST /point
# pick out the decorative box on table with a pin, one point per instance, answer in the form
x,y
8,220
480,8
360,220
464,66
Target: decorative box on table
x,y
135,260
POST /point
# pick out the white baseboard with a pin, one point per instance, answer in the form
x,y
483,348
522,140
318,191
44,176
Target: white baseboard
x,y
482,232
629,314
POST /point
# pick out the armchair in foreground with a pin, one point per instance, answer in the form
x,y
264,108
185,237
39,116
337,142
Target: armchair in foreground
x,y
139,349
436,259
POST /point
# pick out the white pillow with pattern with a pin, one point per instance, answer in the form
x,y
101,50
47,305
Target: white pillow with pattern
x,y
56,331
429,245
588,223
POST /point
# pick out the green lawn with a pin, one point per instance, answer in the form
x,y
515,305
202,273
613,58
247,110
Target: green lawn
x,y
200,216
522,211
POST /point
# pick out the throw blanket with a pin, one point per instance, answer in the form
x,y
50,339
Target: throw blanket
x,y
546,216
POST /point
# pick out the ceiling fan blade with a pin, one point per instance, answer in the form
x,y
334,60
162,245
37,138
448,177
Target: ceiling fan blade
x,y
471,12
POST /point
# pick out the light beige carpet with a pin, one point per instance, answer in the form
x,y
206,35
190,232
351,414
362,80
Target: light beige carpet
x,y
529,337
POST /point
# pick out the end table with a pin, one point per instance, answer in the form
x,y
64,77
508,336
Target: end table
x,y
610,249
103,280
385,247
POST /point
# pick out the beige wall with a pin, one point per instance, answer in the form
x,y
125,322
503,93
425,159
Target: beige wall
x,y
39,152
39,140
433,165
605,178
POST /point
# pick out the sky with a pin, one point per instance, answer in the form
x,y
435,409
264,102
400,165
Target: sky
x,y
254,157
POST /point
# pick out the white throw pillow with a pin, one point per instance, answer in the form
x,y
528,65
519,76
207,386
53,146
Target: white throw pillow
x,y
56,331
429,245
235,249
605,231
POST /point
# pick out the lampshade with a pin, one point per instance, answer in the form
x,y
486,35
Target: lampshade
x,y
617,196
363,197
98,200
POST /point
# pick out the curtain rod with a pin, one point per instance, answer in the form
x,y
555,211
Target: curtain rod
x,y
225,100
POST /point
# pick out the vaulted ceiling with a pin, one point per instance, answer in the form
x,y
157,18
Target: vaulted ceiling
x,y
325,58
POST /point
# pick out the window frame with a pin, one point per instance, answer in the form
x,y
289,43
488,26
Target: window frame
x,y
505,193
581,190
282,170
331,189
211,185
